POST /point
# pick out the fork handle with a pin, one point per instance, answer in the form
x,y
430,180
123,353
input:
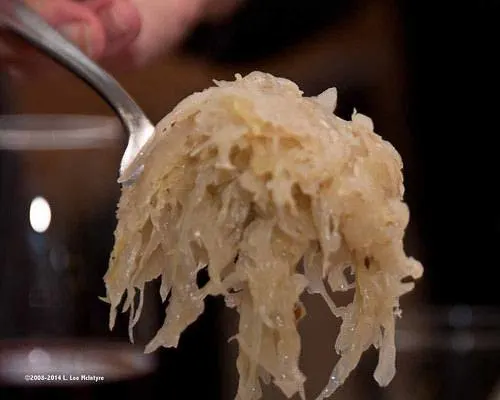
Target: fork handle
x,y
22,20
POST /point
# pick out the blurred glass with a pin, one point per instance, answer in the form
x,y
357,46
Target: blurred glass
x,y
442,353
448,353
58,194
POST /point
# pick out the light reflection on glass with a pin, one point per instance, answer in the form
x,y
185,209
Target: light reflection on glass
x,y
40,214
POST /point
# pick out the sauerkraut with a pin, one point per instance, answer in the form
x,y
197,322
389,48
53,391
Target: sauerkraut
x,y
276,196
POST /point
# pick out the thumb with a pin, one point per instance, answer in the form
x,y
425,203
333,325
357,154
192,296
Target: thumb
x,y
120,20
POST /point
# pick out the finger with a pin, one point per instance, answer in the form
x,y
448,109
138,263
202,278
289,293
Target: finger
x,y
121,22
75,21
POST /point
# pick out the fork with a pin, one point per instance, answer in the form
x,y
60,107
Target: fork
x,y
26,23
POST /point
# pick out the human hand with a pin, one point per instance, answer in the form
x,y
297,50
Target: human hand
x,y
100,28
114,32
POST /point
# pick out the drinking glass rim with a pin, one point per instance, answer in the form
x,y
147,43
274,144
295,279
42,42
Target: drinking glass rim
x,y
57,131
74,356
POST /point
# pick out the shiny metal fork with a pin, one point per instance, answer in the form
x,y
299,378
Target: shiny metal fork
x,y
25,22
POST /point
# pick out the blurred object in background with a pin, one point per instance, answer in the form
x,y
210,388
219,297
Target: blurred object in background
x,y
260,29
3,93
443,353
58,193
452,109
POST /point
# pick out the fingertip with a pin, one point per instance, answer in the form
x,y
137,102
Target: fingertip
x,y
121,22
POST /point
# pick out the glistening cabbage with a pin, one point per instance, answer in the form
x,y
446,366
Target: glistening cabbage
x,y
276,196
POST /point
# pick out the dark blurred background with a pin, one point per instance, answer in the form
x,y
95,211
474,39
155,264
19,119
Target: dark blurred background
x,y
426,72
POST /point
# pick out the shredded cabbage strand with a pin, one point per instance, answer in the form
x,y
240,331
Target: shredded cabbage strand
x,y
275,195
